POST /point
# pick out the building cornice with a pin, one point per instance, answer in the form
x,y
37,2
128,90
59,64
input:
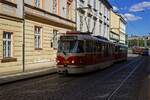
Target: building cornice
x,y
108,5
8,3
12,18
115,33
46,12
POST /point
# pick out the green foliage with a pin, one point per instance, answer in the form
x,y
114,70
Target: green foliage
x,y
138,42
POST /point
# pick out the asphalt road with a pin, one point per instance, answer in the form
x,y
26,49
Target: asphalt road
x,y
121,81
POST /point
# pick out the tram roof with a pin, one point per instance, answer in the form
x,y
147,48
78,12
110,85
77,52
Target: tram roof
x,y
89,36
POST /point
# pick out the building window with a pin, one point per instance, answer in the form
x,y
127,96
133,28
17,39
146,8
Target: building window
x,y
7,44
100,7
55,39
68,10
89,23
37,37
37,3
104,29
81,23
95,4
100,27
55,6
89,2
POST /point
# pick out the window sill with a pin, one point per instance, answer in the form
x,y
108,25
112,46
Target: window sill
x,y
89,5
95,9
82,1
38,49
9,59
9,3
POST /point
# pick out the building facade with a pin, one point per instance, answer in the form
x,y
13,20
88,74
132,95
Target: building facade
x,y
29,32
93,16
123,34
114,27
11,40
118,28
45,21
139,41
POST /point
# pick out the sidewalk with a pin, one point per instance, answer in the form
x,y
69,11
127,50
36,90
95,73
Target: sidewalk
x,y
25,75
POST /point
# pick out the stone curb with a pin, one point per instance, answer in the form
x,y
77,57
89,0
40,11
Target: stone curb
x,y
26,75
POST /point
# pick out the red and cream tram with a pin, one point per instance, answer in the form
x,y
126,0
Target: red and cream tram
x,y
81,52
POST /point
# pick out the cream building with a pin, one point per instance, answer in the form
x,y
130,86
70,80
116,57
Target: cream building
x,y
29,33
123,34
118,28
114,27
11,29
93,16
45,21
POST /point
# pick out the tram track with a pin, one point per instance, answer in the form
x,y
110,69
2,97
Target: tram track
x,y
123,82
108,77
100,85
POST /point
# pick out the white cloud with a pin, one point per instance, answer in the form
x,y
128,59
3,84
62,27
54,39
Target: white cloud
x,y
140,6
115,8
130,17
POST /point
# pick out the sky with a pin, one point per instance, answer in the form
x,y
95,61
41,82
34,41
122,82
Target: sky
x,y
136,13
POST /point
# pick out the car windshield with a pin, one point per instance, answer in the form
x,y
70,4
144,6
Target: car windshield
x,y
67,46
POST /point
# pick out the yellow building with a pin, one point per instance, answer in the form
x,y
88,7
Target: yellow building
x,y
114,27
118,28
10,36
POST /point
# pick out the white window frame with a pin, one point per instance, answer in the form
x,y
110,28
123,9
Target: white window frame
x,y
100,6
89,23
100,27
94,6
81,23
7,48
38,37
37,3
68,10
55,6
55,39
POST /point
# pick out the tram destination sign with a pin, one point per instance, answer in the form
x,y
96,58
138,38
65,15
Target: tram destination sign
x,y
68,37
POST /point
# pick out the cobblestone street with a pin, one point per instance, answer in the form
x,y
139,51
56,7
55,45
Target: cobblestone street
x,y
120,81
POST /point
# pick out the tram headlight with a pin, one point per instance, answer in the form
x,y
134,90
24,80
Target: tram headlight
x,y
58,61
72,61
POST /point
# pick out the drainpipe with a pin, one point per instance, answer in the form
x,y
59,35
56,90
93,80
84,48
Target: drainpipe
x,y
23,45
76,14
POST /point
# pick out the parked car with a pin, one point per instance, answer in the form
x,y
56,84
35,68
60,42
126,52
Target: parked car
x,y
145,52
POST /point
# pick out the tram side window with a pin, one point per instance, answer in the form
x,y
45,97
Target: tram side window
x,y
89,46
99,47
80,48
113,48
107,49
94,46
116,48
103,48
110,49
120,49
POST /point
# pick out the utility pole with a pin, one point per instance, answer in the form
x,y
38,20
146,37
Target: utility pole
x,y
23,45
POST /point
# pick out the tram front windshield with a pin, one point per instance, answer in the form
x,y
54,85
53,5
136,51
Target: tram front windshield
x,y
67,46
